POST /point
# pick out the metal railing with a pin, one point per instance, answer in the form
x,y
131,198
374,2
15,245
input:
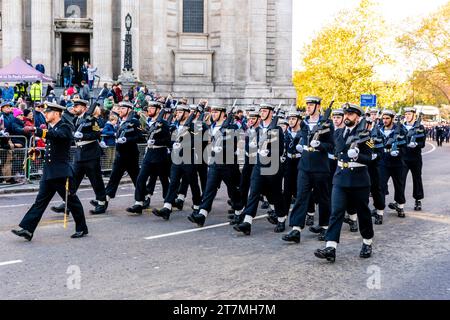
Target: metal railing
x,y
13,166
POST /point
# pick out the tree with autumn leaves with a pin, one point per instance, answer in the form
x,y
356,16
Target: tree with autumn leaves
x,y
343,57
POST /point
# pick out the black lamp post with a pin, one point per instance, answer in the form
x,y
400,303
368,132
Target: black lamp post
x,y
128,57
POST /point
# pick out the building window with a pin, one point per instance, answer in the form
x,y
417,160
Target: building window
x,y
193,16
75,8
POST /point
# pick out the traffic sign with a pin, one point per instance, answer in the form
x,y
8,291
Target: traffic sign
x,y
368,100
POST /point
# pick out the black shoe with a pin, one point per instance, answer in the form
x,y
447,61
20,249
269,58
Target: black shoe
x,y
374,212
281,227
293,236
366,251
93,203
327,253
98,210
378,219
393,206
321,236
265,205
353,226
146,204
245,228
59,209
418,206
236,219
23,233
309,220
135,210
347,220
179,204
163,213
80,234
316,229
197,218
401,213
272,218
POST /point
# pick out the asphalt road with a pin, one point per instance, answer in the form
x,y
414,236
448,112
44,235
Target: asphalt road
x,y
124,257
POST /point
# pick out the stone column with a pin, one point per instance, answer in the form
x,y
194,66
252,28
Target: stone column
x,y
258,44
12,16
283,44
131,7
102,39
41,34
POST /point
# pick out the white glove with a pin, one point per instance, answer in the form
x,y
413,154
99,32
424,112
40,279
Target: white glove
x,y
299,148
253,145
264,153
374,156
103,145
412,145
353,153
78,135
315,143
395,153
3,133
176,146
151,142
121,140
217,149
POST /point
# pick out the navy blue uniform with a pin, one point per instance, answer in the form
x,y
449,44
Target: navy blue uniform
x,y
313,174
56,171
127,155
374,169
351,188
290,172
413,159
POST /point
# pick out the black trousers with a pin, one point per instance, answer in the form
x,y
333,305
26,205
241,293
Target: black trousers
x,y
93,171
47,189
340,200
244,184
379,198
153,171
271,185
120,165
289,183
202,173
217,174
306,183
416,170
397,175
188,172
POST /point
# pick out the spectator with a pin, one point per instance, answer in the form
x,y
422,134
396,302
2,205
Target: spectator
x,y
71,91
28,118
72,72
8,117
17,129
84,72
52,97
119,93
91,76
108,103
113,92
66,72
8,93
39,118
36,92
103,94
50,88
84,92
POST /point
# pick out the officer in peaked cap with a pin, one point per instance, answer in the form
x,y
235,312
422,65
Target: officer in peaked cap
x,y
348,107
57,173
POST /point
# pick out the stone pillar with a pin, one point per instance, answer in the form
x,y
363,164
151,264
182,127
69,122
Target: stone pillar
x,y
226,54
102,39
41,34
131,7
12,16
258,44
283,44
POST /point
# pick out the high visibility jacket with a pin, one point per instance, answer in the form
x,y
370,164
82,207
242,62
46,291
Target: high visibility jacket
x,y
36,92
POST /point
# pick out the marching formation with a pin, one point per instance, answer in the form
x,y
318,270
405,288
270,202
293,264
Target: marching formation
x,y
332,160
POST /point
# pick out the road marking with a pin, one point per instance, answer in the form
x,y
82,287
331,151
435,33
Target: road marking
x,y
10,262
59,201
196,230
432,150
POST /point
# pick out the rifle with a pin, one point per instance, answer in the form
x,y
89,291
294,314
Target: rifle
x,y
361,135
184,130
323,125
415,131
87,118
129,125
273,124
394,142
156,127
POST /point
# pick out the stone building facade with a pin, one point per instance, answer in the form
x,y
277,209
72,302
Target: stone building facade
x,y
217,49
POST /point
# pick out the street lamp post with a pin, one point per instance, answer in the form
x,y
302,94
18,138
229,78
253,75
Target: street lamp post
x,y
128,56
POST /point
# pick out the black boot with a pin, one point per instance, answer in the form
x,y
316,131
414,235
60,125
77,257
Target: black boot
x,y
146,204
393,206
374,212
272,218
179,204
99,210
327,253
197,218
378,219
162,213
321,236
418,206
366,251
59,209
23,233
353,224
80,234
236,219
281,227
135,210
401,213
316,229
245,228
293,236
309,220
93,203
